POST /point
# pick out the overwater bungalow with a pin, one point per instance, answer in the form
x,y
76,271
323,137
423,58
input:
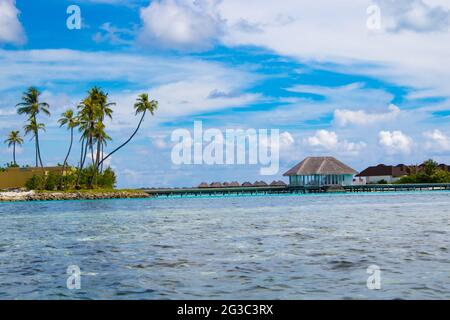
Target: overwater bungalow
x,y
321,171
215,185
260,184
278,184
235,184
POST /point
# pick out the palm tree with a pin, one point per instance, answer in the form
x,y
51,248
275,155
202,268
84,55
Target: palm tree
x,y
141,106
31,106
87,114
101,138
34,127
68,118
103,109
14,139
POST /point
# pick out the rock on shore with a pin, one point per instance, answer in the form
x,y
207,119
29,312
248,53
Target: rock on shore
x,y
48,196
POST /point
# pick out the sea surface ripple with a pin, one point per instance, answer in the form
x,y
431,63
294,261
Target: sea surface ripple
x,y
283,247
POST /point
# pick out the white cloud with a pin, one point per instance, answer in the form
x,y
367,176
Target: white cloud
x,y
160,77
181,24
329,141
413,15
323,138
395,142
286,140
160,143
114,35
344,117
11,30
335,33
436,140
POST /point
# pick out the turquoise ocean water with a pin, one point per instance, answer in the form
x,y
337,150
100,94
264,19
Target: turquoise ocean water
x,y
283,247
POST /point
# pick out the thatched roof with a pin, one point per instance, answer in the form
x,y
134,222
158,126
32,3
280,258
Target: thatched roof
x,y
235,184
203,185
247,184
278,184
260,184
215,185
320,165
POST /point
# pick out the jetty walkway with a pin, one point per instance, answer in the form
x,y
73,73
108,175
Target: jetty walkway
x,y
277,190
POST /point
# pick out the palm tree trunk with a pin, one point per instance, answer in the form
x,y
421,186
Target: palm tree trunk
x,y
14,154
38,148
82,151
70,148
36,151
67,156
101,167
126,142
68,152
97,160
85,154
83,160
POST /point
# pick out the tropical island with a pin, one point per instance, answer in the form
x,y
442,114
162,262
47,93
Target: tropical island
x,y
90,178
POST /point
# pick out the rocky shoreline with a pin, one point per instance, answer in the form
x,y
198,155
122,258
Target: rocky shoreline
x,y
16,196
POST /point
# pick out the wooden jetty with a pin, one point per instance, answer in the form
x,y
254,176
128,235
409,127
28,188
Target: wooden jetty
x,y
279,190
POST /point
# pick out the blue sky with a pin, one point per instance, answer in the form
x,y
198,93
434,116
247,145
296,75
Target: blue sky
x,y
318,72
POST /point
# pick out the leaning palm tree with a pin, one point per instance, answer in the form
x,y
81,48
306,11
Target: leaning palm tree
x,y
101,138
34,127
31,106
68,119
14,139
103,109
87,114
141,106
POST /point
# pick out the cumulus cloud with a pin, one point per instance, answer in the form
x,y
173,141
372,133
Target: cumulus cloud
x,y
160,142
286,140
114,35
417,60
436,140
395,142
413,15
182,85
344,117
323,138
181,24
329,141
11,30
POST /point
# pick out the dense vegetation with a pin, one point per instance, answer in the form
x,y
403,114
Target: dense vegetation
x,y
431,173
70,181
8,165
89,119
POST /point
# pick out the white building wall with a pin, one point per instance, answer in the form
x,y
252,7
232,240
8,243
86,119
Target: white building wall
x,y
376,179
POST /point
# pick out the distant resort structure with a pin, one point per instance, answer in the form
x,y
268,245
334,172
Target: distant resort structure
x,y
321,171
391,174
312,175
329,171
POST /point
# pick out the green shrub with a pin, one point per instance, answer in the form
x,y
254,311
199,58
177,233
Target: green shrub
x,y
35,183
52,181
56,181
107,179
